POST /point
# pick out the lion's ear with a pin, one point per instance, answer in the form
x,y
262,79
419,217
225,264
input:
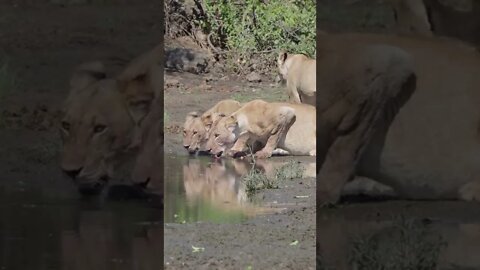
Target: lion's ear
x,y
139,84
282,57
191,115
216,117
207,120
86,74
231,122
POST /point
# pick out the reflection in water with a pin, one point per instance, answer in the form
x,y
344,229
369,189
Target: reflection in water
x,y
73,234
400,243
201,189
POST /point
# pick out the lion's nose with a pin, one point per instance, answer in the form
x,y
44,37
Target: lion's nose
x,y
73,173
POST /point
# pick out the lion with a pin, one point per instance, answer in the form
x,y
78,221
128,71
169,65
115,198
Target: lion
x,y
101,117
407,116
299,72
146,172
196,126
290,127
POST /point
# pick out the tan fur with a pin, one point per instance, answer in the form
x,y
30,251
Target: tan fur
x,y
423,143
149,160
102,116
299,72
196,126
290,127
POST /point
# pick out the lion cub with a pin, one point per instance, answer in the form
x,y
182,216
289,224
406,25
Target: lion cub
x,y
196,126
290,127
299,72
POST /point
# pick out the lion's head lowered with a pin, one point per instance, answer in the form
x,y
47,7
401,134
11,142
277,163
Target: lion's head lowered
x,y
101,117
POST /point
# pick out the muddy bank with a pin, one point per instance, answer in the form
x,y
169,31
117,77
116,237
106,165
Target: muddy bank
x,y
418,234
210,222
207,203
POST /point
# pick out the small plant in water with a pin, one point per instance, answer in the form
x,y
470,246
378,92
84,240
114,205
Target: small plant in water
x,y
293,169
408,244
256,180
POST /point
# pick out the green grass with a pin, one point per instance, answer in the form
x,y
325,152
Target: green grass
x,y
293,169
269,95
408,244
256,180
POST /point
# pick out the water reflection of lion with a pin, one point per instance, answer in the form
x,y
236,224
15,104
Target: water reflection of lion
x,y
220,183
213,183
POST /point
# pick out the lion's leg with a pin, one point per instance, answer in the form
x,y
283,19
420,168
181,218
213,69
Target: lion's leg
x,y
366,186
280,152
338,167
355,131
293,95
240,146
369,112
286,119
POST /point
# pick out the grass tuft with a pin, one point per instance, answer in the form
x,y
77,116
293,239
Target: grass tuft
x,y
408,244
256,180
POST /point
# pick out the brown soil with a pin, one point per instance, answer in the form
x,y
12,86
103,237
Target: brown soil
x,y
262,242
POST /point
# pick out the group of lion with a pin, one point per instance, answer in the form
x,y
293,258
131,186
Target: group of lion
x,y
262,128
400,110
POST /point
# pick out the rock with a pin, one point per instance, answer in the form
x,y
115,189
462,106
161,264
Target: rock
x,y
254,77
172,83
187,60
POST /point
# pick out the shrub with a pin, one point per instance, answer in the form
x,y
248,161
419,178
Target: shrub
x,y
255,29
408,244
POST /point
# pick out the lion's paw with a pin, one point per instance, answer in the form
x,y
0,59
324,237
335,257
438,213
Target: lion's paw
x,y
263,154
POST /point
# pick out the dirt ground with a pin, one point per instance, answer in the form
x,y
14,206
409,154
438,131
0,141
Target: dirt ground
x,y
42,41
262,242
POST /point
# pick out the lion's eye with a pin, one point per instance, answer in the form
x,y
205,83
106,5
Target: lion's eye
x,y
66,126
216,135
184,132
99,128
194,132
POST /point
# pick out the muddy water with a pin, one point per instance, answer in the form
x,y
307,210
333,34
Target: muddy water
x,y
40,231
202,189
